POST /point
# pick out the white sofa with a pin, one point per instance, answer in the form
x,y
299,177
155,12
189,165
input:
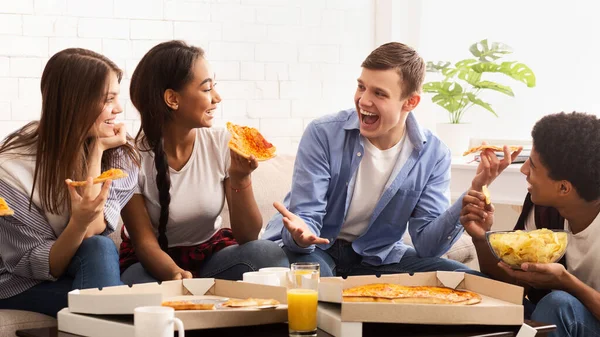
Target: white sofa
x,y
271,181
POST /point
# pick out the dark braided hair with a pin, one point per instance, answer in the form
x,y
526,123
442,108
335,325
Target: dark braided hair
x,y
166,66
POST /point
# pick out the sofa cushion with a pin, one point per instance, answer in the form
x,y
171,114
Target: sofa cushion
x,y
13,320
116,235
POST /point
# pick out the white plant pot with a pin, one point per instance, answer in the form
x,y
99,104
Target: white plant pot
x,y
455,136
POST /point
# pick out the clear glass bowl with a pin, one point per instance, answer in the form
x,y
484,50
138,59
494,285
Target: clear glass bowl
x,y
517,247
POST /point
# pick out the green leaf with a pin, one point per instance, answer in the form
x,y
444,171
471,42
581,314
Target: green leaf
x,y
486,53
446,88
516,70
495,86
450,72
465,63
481,103
437,67
519,71
470,76
486,67
449,95
463,69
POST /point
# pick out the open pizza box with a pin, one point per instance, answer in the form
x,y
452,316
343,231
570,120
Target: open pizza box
x,y
122,300
501,303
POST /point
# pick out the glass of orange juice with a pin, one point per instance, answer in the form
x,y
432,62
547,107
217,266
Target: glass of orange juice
x,y
303,296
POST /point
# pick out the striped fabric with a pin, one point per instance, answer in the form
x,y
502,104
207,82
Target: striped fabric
x,y
26,237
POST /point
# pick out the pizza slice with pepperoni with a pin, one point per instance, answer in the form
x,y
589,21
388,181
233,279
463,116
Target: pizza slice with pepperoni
x,y
247,141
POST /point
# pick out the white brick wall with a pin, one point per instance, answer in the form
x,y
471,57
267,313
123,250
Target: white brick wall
x,y
279,63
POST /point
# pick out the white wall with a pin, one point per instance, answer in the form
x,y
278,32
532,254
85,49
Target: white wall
x,y
279,63
557,39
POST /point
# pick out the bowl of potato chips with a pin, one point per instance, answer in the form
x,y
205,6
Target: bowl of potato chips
x,y
538,246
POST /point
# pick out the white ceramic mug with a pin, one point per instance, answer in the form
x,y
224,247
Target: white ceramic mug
x,y
260,277
156,322
281,273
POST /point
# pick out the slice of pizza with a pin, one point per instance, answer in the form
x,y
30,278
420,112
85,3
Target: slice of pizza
x,y
395,293
4,209
188,305
247,141
492,147
111,174
486,192
250,303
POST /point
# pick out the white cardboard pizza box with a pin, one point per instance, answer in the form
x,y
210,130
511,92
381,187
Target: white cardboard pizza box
x,y
122,300
95,326
501,302
329,320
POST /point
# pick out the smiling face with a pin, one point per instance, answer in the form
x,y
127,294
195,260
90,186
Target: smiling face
x,y
381,110
104,126
197,101
544,191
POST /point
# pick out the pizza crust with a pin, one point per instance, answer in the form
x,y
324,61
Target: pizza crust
x,y
250,302
396,293
188,305
111,174
4,209
491,147
411,300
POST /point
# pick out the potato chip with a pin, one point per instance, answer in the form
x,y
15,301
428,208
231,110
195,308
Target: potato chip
x,y
486,192
538,246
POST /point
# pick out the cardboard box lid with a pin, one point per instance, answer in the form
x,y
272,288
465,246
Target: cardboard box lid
x,y
124,299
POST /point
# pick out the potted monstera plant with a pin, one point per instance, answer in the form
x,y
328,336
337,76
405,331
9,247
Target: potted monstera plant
x,y
463,82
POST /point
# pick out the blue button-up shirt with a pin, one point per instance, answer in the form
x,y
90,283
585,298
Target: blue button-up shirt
x,y
417,196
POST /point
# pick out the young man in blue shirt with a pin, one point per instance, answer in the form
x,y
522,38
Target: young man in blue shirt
x,y
364,175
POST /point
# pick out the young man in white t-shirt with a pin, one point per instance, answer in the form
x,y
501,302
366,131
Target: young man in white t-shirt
x,y
363,177
563,173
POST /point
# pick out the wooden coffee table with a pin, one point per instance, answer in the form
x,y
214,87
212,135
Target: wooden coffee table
x,y
380,330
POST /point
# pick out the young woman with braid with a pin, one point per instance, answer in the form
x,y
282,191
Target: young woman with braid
x,y
173,228
57,240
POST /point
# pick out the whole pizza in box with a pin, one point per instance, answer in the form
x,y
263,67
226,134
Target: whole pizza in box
x,y
396,293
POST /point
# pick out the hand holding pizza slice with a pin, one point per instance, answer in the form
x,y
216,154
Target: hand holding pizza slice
x,y
490,166
248,141
111,174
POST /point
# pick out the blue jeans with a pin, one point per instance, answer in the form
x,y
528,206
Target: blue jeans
x,y
569,315
341,260
228,264
94,265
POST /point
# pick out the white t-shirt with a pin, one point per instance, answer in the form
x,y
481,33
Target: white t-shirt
x,y
372,177
583,252
197,190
